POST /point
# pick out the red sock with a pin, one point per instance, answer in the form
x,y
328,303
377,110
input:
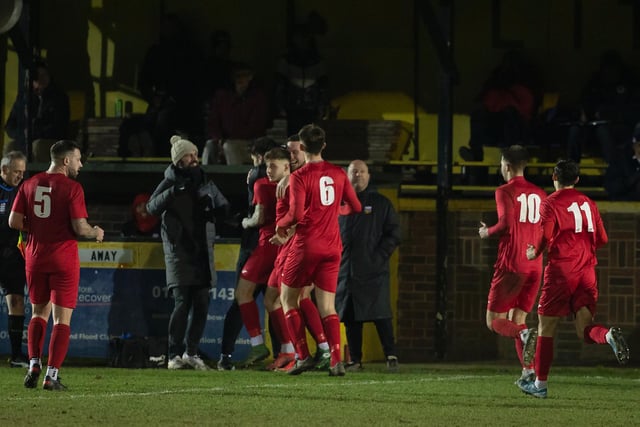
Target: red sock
x,y
544,357
58,345
507,328
251,318
298,335
595,334
279,325
35,336
312,319
332,327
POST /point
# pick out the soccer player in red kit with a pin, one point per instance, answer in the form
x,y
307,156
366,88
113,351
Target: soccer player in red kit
x,y
317,191
278,168
50,207
259,265
572,231
516,280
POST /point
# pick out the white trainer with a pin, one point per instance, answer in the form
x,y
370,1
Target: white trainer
x,y
176,363
195,362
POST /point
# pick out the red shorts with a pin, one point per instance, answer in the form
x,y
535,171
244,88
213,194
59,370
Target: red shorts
x,y
260,264
513,290
302,268
59,287
564,293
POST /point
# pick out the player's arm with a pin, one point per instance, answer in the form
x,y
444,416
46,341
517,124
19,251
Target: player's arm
x,y
548,229
82,229
601,234
296,206
255,220
18,221
350,197
504,206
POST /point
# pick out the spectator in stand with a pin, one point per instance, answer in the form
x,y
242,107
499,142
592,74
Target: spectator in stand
x,y
238,115
622,179
142,223
218,64
170,81
507,103
301,81
609,109
48,113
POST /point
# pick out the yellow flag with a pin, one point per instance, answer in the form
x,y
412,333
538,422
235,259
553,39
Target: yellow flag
x,y
22,245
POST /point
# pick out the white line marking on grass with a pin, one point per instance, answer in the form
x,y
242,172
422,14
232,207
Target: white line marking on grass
x,y
70,395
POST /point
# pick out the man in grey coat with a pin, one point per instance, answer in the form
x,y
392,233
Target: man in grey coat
x,y
186,202
368,238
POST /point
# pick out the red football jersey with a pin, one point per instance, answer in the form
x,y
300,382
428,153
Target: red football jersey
x,y
264,194
317,190
573,230
518,204
49,202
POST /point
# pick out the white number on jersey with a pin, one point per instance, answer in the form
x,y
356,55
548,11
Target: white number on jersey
x,y
529,207
327,192
577,216
42,203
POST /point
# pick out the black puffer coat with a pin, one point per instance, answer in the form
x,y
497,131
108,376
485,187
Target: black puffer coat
x,y
184,224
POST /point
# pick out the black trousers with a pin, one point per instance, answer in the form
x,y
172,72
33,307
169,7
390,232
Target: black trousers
x,y
188,319
353,330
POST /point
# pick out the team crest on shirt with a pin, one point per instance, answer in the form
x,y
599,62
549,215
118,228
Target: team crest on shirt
x,y
367,210
3,206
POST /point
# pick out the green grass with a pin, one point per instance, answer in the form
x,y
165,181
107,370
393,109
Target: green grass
x,y
434,394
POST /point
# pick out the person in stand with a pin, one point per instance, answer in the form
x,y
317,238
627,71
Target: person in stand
x,y
186,201
368,240
572,231
622,178
317,191
516,280
12,274
237,116
50,207
49,115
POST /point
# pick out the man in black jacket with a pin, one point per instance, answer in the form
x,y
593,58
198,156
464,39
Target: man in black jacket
x,y
368,238
186,202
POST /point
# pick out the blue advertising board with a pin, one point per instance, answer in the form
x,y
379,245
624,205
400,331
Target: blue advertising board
x,y
123,293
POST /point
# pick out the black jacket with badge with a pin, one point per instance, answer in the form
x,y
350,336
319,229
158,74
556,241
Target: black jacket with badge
x,y
186,202
368,238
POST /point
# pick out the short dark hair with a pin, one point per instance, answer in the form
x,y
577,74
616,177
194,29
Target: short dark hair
x,y
63,148
567,172
516,155
313,138
277,153
261,145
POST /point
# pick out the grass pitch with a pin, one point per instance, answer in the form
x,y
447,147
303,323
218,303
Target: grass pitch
x,y
429,395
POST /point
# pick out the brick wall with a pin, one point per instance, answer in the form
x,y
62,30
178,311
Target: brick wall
x,y
110,217
470,262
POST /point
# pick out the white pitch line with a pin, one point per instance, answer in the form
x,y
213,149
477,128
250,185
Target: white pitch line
x,y
69,395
